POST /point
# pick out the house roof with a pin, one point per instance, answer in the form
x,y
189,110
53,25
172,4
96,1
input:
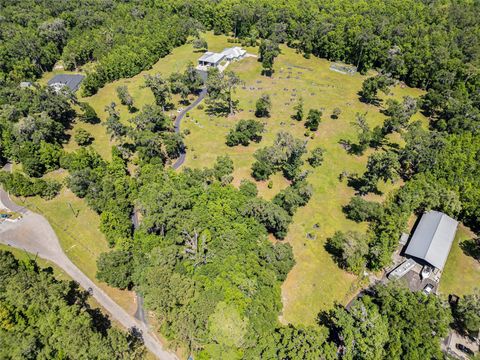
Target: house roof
x,y
211,57
433,238
233,52
71,80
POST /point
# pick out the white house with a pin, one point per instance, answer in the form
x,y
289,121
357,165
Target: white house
x,y
234,53
214,59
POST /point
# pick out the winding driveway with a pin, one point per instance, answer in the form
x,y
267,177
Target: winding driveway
x,y
34,234
178,121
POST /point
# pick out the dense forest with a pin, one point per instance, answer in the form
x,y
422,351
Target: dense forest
x,y
43,318
201,257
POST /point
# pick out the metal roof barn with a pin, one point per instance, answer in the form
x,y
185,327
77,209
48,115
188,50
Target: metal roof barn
x,y
72,81
433,238
211,58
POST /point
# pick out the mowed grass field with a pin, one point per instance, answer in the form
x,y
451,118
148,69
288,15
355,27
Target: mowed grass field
x,y
316,282
461,274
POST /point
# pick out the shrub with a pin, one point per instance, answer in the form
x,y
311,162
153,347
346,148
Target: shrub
x,y
316,157
83,137
263,106
244,132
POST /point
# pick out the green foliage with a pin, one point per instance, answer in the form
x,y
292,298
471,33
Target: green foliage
x,y
285,154
223,169
272,216
263,106
349,250
106,188
399,114
200,44
298,110
300,343
316,157
83,137
467,312
294,196
248,188
359,209
41,317
268,51
159,88
32,127
314,118
372,85
207,270
125,97
380,166
221,87
379,325
20,185
153,136
116,225
115,128
116,268
88,114
244,132
364,133
363,330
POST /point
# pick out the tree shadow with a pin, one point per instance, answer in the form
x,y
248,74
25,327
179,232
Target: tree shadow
x,y
471,247
352,148
268,72
77,295
362,99
361,185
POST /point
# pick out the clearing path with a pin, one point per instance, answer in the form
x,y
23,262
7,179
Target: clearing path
x,y
34,234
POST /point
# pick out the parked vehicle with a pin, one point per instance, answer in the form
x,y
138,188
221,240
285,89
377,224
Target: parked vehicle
x,y
464,349
426,272
428,289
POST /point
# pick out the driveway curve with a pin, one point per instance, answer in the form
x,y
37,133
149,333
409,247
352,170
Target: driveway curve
x,y
34,234
178,121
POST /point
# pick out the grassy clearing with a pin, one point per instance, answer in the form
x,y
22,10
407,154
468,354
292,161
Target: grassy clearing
x,y
316,282
462,272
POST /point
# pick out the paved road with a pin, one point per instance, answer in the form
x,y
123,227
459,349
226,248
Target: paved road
x,y
34,234
178,121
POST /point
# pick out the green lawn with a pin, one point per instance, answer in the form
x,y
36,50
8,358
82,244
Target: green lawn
x,y
462,272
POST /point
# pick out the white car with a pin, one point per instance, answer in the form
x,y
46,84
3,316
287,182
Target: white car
x,y
426,271
427,289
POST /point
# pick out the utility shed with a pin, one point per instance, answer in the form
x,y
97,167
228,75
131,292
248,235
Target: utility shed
x,y
72,81
433,238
